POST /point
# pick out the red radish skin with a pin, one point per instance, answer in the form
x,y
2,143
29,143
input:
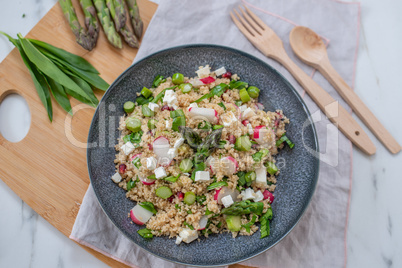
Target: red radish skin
x,y
227,75
268,195
260,106
217,194
150,147
140,215
134,219
134,157
245,122
122,168
147,181
229,165
207,80
161,147
257,132
224,191
208,113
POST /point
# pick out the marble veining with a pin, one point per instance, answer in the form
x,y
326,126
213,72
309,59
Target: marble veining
x,y
374,230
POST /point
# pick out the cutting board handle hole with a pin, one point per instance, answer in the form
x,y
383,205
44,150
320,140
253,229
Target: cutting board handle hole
x,y
15,117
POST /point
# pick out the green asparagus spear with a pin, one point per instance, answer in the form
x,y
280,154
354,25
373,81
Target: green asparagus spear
x,y
79,32
90,20
244,207
118,13
115,13
107,23
134,12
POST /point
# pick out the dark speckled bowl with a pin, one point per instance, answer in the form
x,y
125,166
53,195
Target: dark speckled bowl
x,y
296,182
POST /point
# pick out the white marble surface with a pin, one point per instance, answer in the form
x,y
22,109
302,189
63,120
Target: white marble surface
x,y
374,231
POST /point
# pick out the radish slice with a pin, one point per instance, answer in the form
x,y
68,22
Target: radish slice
x,y
233,108
217,193
147,181
229,165
161,148
268,195
260,106
140,215
263,135
207,80
134,157
203,222
261,174
209,114
224,191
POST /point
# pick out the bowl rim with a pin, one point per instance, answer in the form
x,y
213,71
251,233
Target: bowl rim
x,y
202,45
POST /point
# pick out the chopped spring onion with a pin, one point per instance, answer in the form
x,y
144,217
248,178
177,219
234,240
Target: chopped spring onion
x,y
253,92
208,212
131,184
129,106
177,122
137,162
201,199
133,124
244,95
172,178
222,144
204,125
189,212
242,178
141,100
186,165
217,184
189,198
177,207
215,91
178,78
158,80
243,143
149,206
250,177
164,192
134,138
177,113
238,103
146,92
152,177
152,123
259,155
222,105
145,233
248,225
186,87
161,94
188,225
217,127
271,168
237,84
146,111
286,139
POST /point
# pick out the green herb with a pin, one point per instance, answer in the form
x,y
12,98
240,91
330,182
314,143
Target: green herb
x,y
242,178
23,15
264,220
259,155
177,207
199,166
208,212
160,95
204,125
238,103
149,206
201,199
134,138
222,144
131,184
172,178
248,225
189,212
215,91
188,225
137,162
219,224
222,105
244,207
158,80
237,84
145,233
178,122
177,113
250,177
141,100
217,184
152,177
286,139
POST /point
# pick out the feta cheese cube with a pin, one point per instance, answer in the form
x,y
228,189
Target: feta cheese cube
x,y
168,124
227,201
116,177
202,176
153,106
178,143
178,240
261,175
160,173
248,194
228,118
250,129
243,108
187,235
248,113
259,196
172,153
170,98
151,163
127,148
220,71
203,72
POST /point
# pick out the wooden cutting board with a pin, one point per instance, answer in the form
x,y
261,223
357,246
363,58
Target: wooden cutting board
x,y
47,169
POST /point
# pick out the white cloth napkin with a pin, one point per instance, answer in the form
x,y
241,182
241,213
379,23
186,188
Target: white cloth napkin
x,y
319,240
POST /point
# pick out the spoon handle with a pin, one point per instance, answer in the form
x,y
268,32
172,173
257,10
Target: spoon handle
x,y
332,109
362,111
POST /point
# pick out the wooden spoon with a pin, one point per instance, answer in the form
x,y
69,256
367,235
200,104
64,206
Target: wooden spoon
x,y
309,47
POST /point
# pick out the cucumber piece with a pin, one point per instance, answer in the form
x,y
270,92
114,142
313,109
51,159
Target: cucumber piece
x,y
233,222
189,198
186,165
164,192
